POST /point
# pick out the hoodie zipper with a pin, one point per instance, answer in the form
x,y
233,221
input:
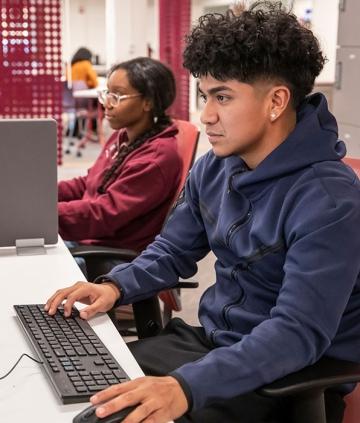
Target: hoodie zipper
x,y
245,266
260,253
230,188
227,307
244,219
237,224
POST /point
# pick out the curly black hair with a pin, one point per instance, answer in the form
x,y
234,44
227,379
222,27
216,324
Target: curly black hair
x,y
264,42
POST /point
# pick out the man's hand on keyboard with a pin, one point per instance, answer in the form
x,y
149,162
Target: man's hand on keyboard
x,y
99,297
159,398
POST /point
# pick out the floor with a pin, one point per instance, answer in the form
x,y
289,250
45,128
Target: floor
x,y
74,166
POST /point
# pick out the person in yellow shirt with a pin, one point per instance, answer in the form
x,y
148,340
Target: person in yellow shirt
x,y
82,69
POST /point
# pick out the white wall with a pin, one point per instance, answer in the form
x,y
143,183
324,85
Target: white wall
x,y
83,26
300,5
126,23
325,27
153,27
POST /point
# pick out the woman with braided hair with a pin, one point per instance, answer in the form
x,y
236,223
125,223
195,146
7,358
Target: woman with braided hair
x,y
125,196
82,69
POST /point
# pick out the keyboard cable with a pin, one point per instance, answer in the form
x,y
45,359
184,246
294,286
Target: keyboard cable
x,y
18,361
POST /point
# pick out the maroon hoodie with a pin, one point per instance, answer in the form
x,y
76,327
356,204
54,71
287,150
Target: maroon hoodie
x,y
132,210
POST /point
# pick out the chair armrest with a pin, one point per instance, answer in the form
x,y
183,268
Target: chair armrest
x,y
91,251
321,375
101,260
186,284
103,252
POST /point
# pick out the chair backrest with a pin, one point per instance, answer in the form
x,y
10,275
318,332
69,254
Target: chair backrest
x,y
187,141
354,164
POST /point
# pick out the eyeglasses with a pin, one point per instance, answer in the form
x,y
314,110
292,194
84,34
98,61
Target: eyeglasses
x,y
113,99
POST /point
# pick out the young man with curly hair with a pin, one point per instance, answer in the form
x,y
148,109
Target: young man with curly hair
x,y
280,211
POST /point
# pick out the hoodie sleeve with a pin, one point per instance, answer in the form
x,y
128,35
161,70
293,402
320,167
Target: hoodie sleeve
x,y
73,189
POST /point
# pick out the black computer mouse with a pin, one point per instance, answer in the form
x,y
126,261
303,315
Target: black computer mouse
x,y
88,416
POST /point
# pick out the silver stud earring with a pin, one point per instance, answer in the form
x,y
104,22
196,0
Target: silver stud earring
x,y
272,116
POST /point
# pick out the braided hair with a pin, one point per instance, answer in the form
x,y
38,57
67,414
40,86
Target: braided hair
x,y
156,83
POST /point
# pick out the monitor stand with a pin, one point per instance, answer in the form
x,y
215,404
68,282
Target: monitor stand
x,y
30,247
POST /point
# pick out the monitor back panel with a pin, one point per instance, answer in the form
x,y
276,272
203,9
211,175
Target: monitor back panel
x,y
28,180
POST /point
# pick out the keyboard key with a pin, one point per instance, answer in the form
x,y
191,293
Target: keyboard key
x,y
97,388
80,351
78,383
90,349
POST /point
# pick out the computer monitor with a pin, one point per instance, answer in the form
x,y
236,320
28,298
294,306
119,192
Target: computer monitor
x,y
28,181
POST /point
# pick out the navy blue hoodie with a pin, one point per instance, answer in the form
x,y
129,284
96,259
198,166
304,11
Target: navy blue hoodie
x,y
286,236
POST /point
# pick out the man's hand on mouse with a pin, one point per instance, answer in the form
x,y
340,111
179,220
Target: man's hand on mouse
x,y
99,297
159,399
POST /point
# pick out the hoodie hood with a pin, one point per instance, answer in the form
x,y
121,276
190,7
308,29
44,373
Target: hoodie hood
x,y
314,139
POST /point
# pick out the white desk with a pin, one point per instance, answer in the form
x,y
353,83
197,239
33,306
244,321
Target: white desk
x,y
27,394
91,92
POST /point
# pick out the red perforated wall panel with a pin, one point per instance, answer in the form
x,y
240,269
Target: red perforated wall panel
x,y
174,24
30,60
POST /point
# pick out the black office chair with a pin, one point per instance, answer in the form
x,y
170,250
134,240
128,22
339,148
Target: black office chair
x,y
305,389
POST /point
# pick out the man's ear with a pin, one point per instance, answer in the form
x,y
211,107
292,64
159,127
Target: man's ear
x,y
280,97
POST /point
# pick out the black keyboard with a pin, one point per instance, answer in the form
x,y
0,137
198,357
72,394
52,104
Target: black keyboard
x,y
74,357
